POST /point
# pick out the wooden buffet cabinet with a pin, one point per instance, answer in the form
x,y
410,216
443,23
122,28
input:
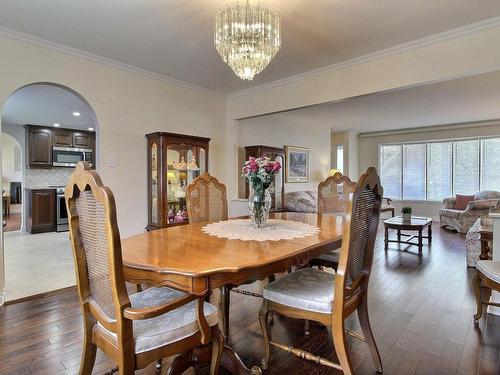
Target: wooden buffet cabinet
x,y
277,188
174,161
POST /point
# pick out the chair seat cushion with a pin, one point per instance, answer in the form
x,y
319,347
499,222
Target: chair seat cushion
x,y
306,289
167,328
490,269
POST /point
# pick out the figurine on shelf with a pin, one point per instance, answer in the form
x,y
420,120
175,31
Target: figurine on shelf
x,y
181,216
171,216
181,190
192,166
180,166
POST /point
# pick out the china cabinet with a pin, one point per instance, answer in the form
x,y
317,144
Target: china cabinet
x,y
277,188
174,161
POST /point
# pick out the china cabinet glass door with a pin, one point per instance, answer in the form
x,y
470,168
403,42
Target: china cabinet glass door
x,y
184,163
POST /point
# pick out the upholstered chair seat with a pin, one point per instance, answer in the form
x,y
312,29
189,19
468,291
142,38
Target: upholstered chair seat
x,y
307,289
490,269
167,328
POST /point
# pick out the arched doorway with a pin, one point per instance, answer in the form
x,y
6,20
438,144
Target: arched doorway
x,y
42,262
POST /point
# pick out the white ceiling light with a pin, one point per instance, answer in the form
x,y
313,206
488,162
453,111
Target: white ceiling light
x,y
247,37
76,114
91,129
57,125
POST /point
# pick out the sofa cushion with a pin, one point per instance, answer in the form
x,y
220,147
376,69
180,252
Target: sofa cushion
x,y
462,201
450,212
487,194
301,201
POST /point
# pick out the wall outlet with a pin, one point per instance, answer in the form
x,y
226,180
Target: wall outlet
x,y
111,160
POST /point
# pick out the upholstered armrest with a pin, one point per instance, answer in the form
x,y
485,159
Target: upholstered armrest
x,y
482,204
157,310
449,202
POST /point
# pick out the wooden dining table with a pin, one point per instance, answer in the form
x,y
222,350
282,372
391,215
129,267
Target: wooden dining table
x,y
187,259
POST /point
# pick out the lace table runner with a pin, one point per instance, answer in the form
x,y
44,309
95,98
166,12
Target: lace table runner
x,y
275,230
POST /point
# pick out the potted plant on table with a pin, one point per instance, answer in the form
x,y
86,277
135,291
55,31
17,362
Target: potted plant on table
x,y
260,173
406,211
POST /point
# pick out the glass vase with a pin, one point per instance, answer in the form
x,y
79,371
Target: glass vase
x,y
259,202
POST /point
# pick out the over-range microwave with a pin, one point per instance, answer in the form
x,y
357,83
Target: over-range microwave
x,y
70,156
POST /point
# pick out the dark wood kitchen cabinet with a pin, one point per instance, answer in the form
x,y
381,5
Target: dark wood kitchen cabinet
x,y
39,146
41,209
82,140
63,138
40,141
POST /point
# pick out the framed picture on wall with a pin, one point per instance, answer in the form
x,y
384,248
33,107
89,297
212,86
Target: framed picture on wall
x,y
297,164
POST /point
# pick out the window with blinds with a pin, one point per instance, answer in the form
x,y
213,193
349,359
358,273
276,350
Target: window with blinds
x,y
391,162
439,169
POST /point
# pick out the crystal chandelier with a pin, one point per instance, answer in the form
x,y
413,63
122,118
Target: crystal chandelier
x,y
247,37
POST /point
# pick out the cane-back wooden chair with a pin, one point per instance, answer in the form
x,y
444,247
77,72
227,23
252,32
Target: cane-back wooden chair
x,y
138,329
333,198
487,275
206,200
313,294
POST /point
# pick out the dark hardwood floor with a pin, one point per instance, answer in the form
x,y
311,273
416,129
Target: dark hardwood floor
x,y
421,311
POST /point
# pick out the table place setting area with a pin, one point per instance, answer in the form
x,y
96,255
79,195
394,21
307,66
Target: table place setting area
x,y
274,230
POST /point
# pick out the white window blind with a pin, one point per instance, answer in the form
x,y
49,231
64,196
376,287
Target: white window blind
x,y
414,171
439,157
466,167
391,161
490,172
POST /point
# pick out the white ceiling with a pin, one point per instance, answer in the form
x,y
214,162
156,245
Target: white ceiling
x,y
462,100
42,104
175,37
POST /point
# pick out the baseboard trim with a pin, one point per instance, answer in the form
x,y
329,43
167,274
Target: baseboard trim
x,y
40,295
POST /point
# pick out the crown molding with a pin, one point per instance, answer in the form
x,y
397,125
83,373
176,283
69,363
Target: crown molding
x,y
415,44
17,35
432,128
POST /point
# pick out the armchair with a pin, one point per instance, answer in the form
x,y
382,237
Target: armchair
x,y
462,220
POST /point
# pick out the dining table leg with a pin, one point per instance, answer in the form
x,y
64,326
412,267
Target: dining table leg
x,y
225,299
234,364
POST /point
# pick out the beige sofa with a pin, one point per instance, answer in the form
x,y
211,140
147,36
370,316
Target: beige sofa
x,y
463,220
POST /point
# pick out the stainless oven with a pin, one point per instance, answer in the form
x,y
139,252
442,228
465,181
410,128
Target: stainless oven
x,y
69,156
62,213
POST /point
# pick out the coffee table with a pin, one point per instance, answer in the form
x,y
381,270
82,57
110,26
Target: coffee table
x,y
415,224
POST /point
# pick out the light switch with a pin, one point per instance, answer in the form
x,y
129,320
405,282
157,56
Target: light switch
x,y
111,160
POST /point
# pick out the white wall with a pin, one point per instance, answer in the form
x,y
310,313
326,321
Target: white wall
x,y
368,151
127,105
286,129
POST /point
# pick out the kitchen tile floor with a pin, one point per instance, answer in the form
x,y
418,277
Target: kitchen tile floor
x,y
37,263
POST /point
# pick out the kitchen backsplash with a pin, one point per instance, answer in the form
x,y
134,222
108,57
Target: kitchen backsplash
x,y
43,178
